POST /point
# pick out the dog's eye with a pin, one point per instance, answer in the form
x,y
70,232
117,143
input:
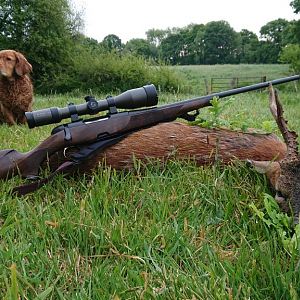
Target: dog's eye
x,y
9,58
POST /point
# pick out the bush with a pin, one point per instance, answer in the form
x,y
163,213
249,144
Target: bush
x,y
110,72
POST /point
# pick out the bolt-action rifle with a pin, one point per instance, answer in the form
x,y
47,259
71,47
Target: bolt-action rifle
x,y
93,135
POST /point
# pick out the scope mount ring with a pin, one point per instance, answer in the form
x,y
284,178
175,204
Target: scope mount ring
x,y
73,112
112,108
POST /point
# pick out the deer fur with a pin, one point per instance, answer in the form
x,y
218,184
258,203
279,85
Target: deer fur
x,y
16,91
175,140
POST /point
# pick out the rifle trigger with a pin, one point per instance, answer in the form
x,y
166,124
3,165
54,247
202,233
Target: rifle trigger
x,y
190,117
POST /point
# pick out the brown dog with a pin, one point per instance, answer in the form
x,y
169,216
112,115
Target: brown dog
x,y
16,91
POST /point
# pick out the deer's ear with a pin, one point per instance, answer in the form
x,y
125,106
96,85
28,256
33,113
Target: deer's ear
x,y
271,169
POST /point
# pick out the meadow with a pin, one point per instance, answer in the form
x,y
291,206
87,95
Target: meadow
x,y
177,232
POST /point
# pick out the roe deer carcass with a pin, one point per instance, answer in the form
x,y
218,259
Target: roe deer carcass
x,y
175,140
284,174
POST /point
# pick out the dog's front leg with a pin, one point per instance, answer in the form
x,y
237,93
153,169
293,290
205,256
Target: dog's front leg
x,y
6,115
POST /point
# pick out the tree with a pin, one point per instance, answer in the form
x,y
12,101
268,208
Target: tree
x,y
183,45
192,46
197,47
248,42
296,6
171,48
141,47
220,43
112,42
273,33
43,30
155,36
291,55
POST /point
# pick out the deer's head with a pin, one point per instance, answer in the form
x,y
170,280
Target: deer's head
x,y
283,175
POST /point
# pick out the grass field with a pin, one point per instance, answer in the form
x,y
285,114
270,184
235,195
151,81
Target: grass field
x,y
197,75
181,232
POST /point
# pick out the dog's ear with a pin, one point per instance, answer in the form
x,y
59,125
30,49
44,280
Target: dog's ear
x,y
22,65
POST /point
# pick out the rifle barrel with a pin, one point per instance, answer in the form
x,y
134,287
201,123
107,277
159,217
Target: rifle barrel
x,y
183,107
203,101
248,88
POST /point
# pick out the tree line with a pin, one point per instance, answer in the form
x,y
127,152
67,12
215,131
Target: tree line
x,y
212,43
48,32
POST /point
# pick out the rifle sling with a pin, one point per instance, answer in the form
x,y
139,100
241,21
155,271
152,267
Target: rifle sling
x,y
84,152
31,187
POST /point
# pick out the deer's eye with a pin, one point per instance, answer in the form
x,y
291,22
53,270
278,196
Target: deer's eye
x,y
279,194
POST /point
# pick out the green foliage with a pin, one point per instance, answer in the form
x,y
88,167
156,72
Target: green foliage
x,y
155,36
283,224
171,48
274,31
64,60
274,35
141,48
269,126
216,42
215,117
183,45
248,44
296,6
291,55
220,43
112,43
99,72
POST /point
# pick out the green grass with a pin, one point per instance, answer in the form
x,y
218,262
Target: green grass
x,y
177,232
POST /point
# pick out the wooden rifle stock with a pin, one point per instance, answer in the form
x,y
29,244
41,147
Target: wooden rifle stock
x,y
27,164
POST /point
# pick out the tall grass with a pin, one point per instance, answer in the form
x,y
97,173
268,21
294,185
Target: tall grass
x,y
172,232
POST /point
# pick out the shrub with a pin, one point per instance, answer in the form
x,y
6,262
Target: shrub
x,y
107,72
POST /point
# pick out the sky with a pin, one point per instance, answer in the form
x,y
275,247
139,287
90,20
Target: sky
x,y
130,19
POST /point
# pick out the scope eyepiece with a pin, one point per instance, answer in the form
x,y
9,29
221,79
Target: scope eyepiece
x,y
135,98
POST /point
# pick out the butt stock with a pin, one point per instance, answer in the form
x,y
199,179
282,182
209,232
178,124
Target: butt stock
x,y
27,164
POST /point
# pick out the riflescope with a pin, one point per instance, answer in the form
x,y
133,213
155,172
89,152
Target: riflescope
x,y
135,98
